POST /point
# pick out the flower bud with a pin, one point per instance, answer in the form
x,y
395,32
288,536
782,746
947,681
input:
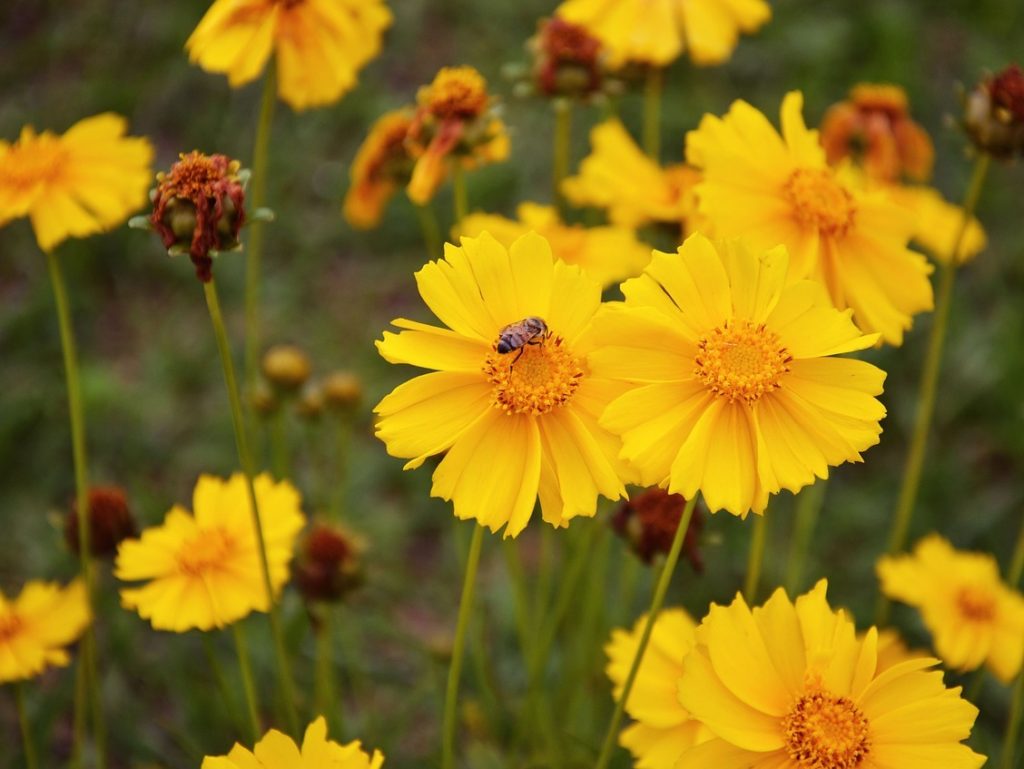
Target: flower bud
x,y
110,522
263,399
567,59
994,113
329,565
648,522
310,404
342,390
286,367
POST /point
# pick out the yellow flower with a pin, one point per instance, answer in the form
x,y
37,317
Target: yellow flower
x,y
634,189
773,189
515,425
663,728
938,222
455,119
86,181
788,687
892,651
319,45
734,392
657,31
381,166
203,570
279,751
974,618
36,627
608,254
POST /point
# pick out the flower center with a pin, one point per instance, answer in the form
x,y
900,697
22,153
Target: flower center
x,y
10,626
206,552
826,732
820,201
34,161
457,92
741,360
534,379
976,604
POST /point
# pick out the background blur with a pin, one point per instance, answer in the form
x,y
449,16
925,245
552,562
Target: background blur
x,y
157,414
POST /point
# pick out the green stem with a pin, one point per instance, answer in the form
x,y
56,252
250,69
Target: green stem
x,y
31,758
256,199
326,696
808,506
342,444
1012,724
517,577
629,576
1017,561
218,673
929,380
545,570
459,193
755,558
248,685
656,603
78,718
431,232
458,647
279,444
80,461
562,149
652,112
245,458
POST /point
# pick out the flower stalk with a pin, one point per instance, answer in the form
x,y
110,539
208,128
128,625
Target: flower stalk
x,y
562,149
755,559
28,744
460,196
431,233
808,507
248,684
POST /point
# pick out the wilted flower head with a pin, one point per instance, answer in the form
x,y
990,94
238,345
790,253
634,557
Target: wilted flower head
x,y
286,366
199,208
38,625
382,165
110,521
329,563
567,59
994,113
874,128
648,522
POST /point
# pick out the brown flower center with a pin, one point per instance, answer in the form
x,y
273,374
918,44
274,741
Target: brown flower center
x,y
976,604
10,626
457,92
823,731
819,201
206,552
533,379
741,361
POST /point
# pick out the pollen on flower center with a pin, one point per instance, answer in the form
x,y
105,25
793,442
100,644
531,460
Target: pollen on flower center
x,y
823,731
457,92
34,163
976,604
543,377
741,360
205,552
820,201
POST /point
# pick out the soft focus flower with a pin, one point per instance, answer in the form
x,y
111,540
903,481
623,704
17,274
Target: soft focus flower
x,y
455,119
36,627
286,366
734,390
873,127
657,31
648,522
892,651
515,425
329,564
199,208
938,223
994,113
279,751
382,165
974,618
772,189
86,181
343,390
608,254
110,521
663,728
635,190
787,686
567,59
202,570
319,45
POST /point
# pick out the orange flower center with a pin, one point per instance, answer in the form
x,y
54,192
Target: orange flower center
x,y
206,552
33,162
457,92
10,626
820,201
741,361
826,732
534,379
976,604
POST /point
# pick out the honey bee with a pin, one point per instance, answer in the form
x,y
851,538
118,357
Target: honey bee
x,y
516,336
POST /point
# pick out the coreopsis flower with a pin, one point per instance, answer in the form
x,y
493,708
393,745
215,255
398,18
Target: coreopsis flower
x,y
662,728
278,751
635,190
974,618
202,569
787,686
873,127
38,625
567,59
511,401
648,522
769,189
735,392
329,564
199,208
994,113
85,181
655,32
454,123
382,165
318,46
608,254
892,650
110,521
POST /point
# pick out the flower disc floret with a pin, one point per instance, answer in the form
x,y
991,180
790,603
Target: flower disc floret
x,y
820,201
544,377
457,92
824,731
741,361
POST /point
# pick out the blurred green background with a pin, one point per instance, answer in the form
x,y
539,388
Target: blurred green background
x,y
157,414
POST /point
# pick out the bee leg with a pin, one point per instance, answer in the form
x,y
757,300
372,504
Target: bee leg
x,y
518,356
